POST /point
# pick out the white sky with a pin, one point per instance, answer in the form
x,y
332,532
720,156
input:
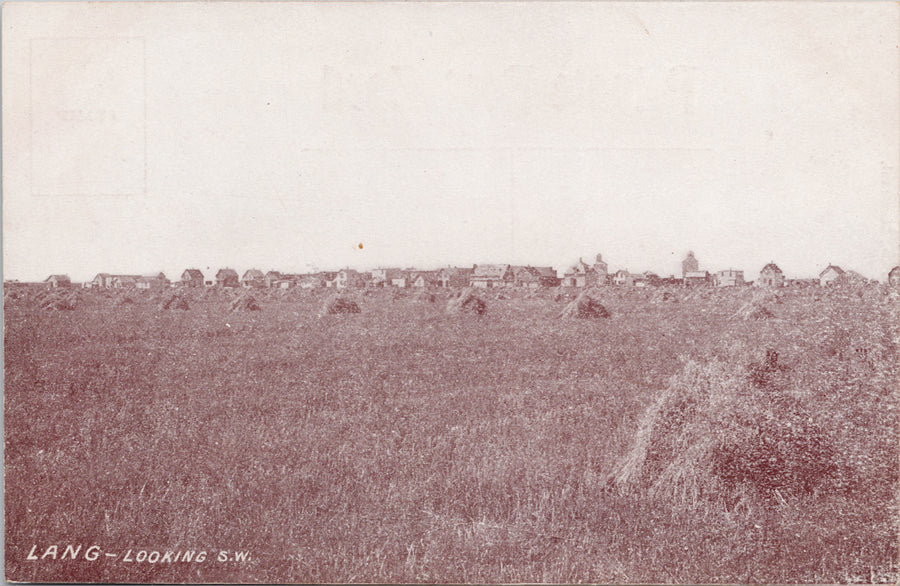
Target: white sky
x,y
164,136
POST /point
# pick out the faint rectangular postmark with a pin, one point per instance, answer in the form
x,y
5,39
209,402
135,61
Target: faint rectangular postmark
x,y
88,116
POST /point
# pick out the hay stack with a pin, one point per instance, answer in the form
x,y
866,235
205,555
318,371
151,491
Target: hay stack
x,y
172,301
668,297
338,305
424,296
60,302
724,432
467,302
754,311
584,307
851,279
42,296
233,292
246,302
763,296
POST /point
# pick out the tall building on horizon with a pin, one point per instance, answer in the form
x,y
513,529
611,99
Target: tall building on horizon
x,y
689,264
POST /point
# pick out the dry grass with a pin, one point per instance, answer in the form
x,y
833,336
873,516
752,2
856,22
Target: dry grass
x,y
409,445
59,301
424,296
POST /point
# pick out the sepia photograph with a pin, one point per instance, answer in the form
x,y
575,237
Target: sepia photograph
x,y
494,292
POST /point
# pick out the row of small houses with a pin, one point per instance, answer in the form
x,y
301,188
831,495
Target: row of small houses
x,y
484,276
478,276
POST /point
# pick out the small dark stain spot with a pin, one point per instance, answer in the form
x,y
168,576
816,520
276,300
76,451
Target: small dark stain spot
x,y
360,245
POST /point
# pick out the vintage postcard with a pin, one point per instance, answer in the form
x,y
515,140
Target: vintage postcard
x,y
451,292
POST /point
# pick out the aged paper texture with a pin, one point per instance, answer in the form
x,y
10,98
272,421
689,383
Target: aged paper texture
x,y
451,292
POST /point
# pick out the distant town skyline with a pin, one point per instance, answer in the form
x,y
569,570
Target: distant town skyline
x,y
450,134
210,272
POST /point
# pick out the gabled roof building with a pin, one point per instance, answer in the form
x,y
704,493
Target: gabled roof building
x,y
227,278
830,274
770,276
583,274
492,275
55,281
192,278
454,276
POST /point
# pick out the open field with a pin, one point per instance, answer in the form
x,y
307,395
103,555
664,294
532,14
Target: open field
x,y
406,444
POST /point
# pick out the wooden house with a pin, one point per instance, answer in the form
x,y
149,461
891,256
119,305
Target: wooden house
x,y
650,278
402,280
547,276
272,278
192,278
253,278
311,282
831,274
490,276
583,274
623,278
423,279
535,277
454,276
328,277
278,280
57,281
770,276
697,279
102,281
671,281
125,281
153,282
729,278
349,278
384,277
227,278
108,281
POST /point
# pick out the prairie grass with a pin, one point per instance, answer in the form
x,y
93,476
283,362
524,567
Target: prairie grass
x,y
408,444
